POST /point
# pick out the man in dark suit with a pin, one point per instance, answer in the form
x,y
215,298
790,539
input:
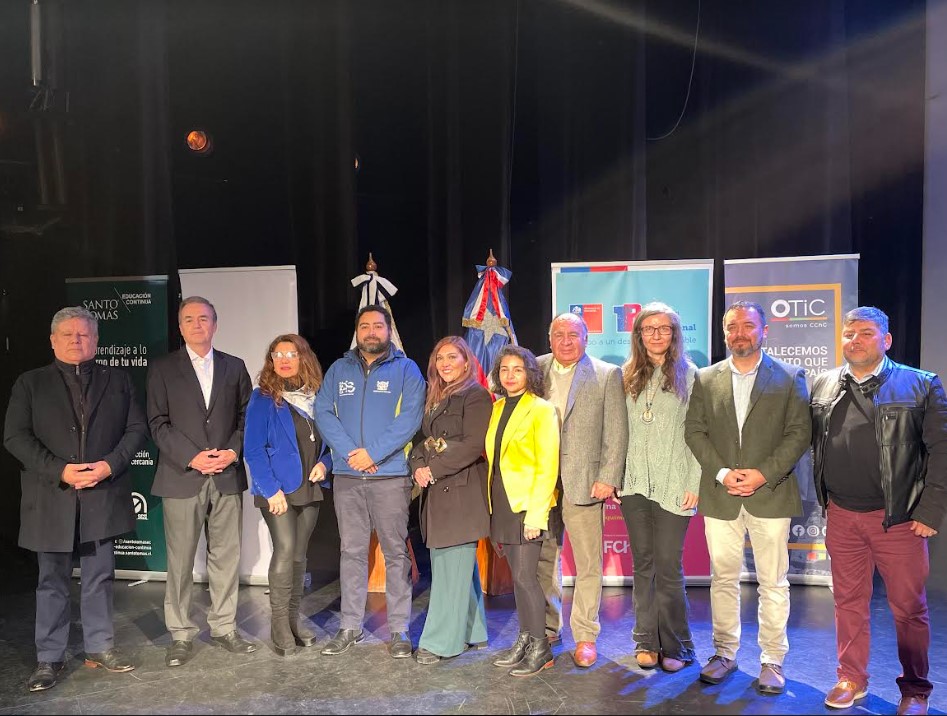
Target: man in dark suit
x,y
748,424
197,402
75,427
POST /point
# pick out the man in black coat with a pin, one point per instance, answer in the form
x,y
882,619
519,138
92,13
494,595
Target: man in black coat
x,y
197,403
75,427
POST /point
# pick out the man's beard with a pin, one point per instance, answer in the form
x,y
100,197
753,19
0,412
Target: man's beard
x,y
373,348
746,349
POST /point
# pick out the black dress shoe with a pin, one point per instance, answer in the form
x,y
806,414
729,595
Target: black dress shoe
x,y
234,643
399,646
178,653
111,660
343,639
44,675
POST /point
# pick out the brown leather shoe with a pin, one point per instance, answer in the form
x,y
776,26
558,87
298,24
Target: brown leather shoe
x,y
646,659
718,669
912,705
771,679
672,665
584,654
844,694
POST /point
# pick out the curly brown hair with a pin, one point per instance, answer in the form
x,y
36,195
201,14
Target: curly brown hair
x,y
309,376
535,383
437,389
638,369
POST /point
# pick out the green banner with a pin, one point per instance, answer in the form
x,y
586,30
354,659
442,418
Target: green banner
x,y
133,330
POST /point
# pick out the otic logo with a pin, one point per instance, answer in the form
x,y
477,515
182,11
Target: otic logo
x,y
140,505
346,387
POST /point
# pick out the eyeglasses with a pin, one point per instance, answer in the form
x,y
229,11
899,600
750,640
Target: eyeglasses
x,y
275,355
662,330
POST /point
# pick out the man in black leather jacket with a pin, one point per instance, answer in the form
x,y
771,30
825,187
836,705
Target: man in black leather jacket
x,y
879,439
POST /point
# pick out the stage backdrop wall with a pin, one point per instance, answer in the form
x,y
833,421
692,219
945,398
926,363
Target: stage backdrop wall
x,y
804,299
254,305
133,329
608,296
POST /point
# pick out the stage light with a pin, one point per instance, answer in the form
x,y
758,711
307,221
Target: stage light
x,y
200,142
358,163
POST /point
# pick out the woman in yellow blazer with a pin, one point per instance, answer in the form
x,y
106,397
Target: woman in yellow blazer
x,y
522,446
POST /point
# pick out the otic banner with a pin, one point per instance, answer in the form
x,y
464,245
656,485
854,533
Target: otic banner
x,y
133,330
608,296
804,299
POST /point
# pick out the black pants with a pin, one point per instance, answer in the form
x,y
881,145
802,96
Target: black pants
x,y
657,547
530,600
290,533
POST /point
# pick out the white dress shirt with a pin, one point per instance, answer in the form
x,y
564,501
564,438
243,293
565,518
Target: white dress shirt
x,y
204,369
742,388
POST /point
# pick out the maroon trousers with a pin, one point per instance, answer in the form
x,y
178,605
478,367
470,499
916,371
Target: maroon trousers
x,y
857,543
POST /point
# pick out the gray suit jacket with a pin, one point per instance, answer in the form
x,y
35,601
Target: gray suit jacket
x,y
594,440
776,433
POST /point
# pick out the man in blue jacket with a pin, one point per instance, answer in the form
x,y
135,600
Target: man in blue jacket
x,y
368,409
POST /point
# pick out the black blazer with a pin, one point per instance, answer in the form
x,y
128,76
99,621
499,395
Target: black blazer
x,y
182,427
454,509
42,432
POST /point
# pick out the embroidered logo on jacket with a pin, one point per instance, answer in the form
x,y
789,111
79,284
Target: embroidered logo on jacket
x,y
346,387
381,386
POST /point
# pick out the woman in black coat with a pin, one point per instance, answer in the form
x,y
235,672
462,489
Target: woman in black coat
x,y
449,465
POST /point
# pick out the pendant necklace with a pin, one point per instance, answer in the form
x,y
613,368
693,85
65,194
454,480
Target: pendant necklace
x,y
312,432
647,416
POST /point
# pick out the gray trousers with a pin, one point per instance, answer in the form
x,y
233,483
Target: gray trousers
x,y
362,505
221,517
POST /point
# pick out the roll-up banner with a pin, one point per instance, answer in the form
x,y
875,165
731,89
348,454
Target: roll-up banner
x,y
804,298
254,305
608,296
133,330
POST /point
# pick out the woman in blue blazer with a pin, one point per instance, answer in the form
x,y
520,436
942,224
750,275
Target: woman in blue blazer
x,y
288,460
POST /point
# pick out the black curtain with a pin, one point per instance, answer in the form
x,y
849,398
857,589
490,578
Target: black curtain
x,y
549,131
804,135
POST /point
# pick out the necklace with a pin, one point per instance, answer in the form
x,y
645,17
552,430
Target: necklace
x,y
310,425
647,416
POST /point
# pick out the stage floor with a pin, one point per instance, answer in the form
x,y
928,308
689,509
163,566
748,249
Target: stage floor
x,y
367,680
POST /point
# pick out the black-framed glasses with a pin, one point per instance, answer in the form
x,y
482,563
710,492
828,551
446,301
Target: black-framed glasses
x,y
275,355
662,330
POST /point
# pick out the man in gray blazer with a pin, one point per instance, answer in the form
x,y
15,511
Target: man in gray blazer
x,y
748,424
197,403
589,397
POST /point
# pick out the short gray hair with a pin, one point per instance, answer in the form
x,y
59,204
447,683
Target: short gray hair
x,y
197,299
70,312
868,313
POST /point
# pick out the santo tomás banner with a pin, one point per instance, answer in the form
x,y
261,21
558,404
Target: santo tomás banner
x,y
608,296
804,299
133,330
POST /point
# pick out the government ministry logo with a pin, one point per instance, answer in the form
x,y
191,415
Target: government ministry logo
x,y
140,505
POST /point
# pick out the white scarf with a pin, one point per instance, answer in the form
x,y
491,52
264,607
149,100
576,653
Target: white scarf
x,y
301,399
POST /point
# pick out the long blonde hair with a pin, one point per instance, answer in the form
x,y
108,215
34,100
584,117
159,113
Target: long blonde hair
x,y
638,369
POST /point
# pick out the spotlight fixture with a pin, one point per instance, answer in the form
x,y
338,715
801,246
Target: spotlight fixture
x,y
200,142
